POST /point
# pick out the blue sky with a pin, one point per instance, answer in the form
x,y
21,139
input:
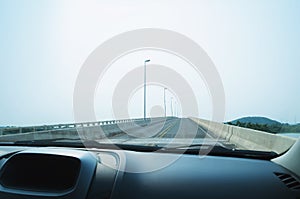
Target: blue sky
x,y
255,46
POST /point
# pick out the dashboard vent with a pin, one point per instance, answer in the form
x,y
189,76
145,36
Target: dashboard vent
x,y
289,181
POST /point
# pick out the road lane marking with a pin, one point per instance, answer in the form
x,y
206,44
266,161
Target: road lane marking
x,y
163,133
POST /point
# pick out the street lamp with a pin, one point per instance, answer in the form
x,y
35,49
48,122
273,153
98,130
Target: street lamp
x,y
165,102
148,60
175,108
172,106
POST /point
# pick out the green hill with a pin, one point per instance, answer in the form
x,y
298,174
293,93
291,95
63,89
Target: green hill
x,y
265,124
256,120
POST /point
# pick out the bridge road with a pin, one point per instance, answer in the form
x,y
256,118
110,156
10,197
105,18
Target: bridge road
x,y
181,131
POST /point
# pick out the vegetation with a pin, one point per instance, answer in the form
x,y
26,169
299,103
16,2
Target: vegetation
x,y
271,128
256,120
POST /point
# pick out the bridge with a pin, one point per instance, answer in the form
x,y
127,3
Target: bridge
x,y
160,130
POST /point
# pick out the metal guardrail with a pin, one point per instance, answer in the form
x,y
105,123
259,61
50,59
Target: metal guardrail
x,y
43,128
84,130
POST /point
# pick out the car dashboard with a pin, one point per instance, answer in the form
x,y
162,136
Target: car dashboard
x,y
63,172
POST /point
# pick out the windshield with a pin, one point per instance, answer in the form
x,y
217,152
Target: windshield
x,y
165,74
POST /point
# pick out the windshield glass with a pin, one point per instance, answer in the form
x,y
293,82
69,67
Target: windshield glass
x,y
151,73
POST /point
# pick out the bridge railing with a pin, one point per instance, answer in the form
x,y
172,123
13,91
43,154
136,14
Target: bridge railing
x,y
87,130
42,128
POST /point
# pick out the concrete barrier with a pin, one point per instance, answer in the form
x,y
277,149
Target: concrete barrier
x,y
245,138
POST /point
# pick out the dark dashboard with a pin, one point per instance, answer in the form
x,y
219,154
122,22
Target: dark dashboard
x,y
58,172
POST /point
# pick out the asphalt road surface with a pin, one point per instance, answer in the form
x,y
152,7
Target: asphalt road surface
x,y
164,131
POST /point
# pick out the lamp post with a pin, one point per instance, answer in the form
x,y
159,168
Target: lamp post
x,y
175,108
148,60
165,101
172,106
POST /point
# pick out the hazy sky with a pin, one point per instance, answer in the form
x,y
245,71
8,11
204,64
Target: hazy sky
x,y
255,46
